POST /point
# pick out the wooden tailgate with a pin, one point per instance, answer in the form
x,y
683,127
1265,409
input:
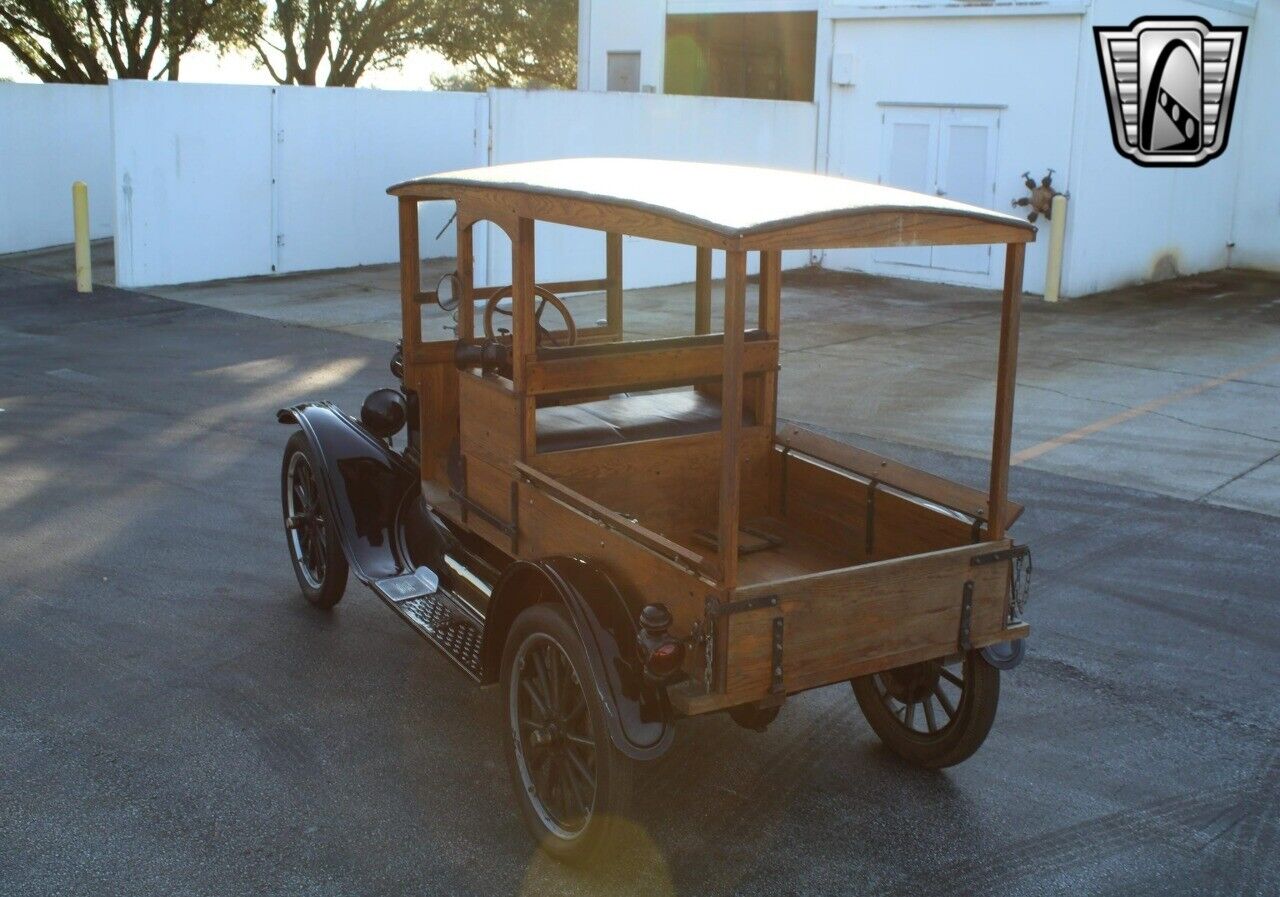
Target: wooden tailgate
x,y
859,620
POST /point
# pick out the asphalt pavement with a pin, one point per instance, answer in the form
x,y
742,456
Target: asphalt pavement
x,y
175,719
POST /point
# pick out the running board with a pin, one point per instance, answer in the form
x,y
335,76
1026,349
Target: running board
x,y
438,615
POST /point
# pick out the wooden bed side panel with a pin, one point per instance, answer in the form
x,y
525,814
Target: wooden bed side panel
x,y
670,485
904,527
821,504
489,488
549,527
490,426
859,620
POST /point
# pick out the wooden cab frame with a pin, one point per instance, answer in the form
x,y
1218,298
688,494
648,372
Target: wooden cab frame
x,y
787,560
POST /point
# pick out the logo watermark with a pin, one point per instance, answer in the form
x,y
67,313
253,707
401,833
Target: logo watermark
x,y
1171,86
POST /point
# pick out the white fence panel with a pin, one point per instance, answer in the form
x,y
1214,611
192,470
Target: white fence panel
x,y
193,175
529,126
337,151
50,136
218,181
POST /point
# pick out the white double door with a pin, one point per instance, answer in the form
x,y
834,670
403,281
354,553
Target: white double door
x,y
944,151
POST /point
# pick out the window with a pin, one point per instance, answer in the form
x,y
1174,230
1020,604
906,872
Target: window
x,y
624,72
765,56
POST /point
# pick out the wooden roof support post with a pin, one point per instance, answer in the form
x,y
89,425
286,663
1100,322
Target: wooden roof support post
x,y
769,320
410,274
466,281
735,292
702,291
1006,377
524,338
613,273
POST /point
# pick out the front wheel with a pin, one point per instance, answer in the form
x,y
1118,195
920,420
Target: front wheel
x,y
310,532
572,784
935,713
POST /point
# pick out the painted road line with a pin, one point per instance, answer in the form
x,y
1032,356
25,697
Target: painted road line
x,y
1049,445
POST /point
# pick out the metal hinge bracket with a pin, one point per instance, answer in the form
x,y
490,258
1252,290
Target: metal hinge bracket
x,y
775,668
993,557
966,617
716,609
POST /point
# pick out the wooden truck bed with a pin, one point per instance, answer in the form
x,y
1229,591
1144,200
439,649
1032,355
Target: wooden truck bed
x,y
864,574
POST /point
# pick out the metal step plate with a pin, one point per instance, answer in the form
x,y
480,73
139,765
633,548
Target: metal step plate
x,y
444,627
418,584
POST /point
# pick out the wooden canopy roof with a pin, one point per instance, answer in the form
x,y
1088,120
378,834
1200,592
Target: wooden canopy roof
x,y
723,206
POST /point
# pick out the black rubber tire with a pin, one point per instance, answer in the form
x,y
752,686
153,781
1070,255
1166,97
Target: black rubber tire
x,y
613,770
959,740
328,590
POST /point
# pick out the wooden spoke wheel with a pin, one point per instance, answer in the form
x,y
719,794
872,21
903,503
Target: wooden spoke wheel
x,y
317,558
935,713
571,782
500,303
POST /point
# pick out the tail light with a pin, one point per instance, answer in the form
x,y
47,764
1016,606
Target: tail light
x,y
661,654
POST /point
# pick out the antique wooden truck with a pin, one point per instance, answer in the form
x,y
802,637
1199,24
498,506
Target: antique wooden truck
x,y
618,532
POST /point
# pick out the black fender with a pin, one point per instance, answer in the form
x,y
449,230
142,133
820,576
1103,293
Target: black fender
x,y
364,483
637,713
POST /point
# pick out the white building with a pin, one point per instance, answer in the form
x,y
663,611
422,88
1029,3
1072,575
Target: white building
x,y
961,98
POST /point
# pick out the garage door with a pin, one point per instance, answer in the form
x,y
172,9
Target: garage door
x,y
945,151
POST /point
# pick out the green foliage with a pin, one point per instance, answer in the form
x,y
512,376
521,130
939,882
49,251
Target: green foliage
x,y
510,43
87,41
504,43
338,40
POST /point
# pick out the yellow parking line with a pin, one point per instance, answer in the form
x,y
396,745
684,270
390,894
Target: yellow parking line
x,y
1049,445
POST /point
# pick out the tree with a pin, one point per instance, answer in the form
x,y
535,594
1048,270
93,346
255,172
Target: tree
x,y
339,39
510,43
86,41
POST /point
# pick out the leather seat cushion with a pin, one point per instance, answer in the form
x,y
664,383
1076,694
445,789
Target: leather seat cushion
x,y
628,419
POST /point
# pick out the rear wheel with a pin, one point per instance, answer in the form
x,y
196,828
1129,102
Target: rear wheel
x,y
572,784
310,532
935,713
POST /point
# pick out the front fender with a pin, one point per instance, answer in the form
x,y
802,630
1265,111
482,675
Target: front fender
x,y
364,484
637,713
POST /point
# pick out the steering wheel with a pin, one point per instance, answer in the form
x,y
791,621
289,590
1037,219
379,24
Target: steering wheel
x,y
500,302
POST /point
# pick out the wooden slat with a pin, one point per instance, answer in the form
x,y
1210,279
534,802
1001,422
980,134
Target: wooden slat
x,y
490,426
466,279
668,485
846,622
639,368
892,473
1006,378
410,272
769,322
551,526
613,281
887,227
735,292
646,537
524,333
702,291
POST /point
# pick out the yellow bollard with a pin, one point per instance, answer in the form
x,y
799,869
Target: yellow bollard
x,y
1057,235
80,212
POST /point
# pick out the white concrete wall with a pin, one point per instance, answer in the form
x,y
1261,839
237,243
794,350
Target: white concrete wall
x,y
534,125
627,26
1130,224
933,61
337,151
266,179
50,136
1255,137
193,180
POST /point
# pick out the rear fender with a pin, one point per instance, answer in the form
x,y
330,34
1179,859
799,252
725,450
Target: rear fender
x,y
637,714
364,482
